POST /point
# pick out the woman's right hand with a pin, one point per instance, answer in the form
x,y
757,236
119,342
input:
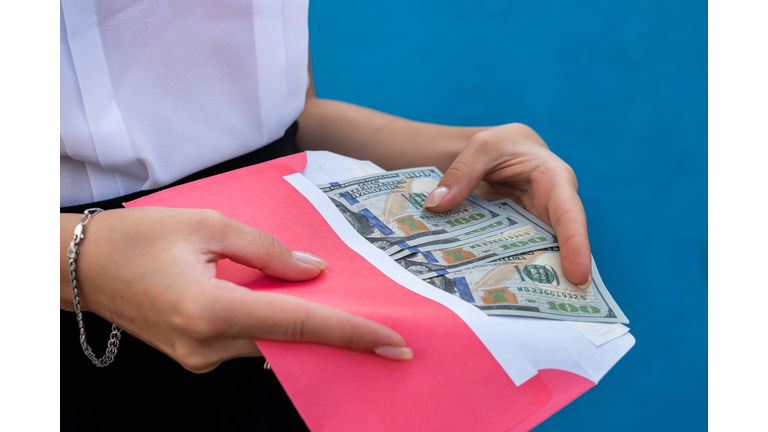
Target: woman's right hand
x,y
152,271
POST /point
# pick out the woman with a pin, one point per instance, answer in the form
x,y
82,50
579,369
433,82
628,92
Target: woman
x,y
154,94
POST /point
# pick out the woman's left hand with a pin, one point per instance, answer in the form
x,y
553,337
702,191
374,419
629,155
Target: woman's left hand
x,y
512,161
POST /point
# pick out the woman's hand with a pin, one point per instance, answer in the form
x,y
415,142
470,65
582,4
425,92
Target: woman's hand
x,y
509,161
152,271
512,161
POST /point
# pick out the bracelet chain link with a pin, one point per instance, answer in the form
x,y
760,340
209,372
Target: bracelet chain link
x,y
72,252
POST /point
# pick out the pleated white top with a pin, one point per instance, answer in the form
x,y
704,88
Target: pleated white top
x,y
152,91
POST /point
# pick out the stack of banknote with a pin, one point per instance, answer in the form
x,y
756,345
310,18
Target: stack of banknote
x,y
494,255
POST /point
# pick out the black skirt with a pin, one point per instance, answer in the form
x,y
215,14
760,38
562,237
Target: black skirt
x,y
144,389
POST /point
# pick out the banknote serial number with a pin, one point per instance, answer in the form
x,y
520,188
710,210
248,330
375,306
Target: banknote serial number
x,y
453,213
551,293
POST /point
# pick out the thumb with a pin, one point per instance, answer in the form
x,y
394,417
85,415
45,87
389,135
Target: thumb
x,y
248,246
459,181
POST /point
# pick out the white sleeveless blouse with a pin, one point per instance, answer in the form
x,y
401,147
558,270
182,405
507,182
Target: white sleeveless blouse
x,y
152,91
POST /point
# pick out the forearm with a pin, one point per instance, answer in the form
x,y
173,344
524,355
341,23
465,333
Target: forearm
x,y
389,141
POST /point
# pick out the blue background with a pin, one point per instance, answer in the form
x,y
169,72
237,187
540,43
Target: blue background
x,y
619,91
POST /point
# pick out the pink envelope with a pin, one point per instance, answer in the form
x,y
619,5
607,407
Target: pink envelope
x,y
452,383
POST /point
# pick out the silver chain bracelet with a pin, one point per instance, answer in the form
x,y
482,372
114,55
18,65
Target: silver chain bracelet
x,y
72,251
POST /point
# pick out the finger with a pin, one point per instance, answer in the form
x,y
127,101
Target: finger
x,y
570,222
251,247
282,317
460,179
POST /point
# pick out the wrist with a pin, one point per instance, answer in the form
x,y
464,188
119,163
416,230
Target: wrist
x,y
73,250
91,248
67,225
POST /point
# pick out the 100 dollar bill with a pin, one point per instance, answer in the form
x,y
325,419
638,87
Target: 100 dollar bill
x,y
429,264
386,209
535,234
464,238
531,284
517,218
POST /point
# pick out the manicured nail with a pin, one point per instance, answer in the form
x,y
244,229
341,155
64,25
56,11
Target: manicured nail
x,y
394,353
435,197
309,259
586,284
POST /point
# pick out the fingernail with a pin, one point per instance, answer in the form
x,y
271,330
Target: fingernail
x,y
435,197
309,259
394,353
586,284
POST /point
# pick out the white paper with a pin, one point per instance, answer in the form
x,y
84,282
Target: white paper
x,y
553,344
599,333
362,168
325,167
